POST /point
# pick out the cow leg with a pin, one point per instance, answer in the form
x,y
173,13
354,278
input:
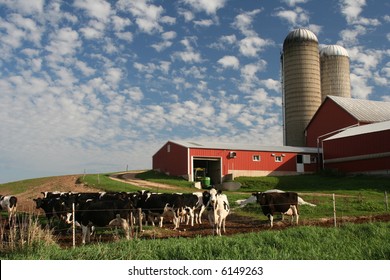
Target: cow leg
x,y
295,213
191,216
85,233
271,219
126,228
160,223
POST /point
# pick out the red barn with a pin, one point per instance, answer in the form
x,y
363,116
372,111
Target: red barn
x,y
227,160
362,149
339,113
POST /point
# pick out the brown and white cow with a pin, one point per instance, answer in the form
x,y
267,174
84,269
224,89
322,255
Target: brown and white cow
x,y
285,203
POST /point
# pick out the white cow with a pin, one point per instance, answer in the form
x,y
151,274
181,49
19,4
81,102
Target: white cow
x,y
218,209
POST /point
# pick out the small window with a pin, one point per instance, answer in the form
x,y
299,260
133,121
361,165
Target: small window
x,y
256,157
168,148
278,158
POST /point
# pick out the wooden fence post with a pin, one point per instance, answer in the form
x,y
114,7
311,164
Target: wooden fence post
x,y
334,211
139,219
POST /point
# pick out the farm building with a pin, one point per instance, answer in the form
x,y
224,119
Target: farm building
x,y
223,161
339,113
361,149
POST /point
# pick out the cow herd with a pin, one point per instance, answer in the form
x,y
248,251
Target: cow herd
x,y
120,209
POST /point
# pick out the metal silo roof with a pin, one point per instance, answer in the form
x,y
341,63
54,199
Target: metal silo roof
x,y
300,35
333,50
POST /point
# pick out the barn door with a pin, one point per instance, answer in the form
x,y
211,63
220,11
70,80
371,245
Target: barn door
x,y
300,165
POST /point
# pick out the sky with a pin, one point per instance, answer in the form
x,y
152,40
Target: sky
x,y
99,86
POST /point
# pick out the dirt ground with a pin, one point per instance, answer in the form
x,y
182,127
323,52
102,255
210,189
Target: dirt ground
x,y
234,223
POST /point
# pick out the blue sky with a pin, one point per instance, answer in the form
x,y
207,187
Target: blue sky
x,y
101,85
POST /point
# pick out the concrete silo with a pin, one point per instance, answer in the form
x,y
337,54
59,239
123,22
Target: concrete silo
x,y
301,83
335,75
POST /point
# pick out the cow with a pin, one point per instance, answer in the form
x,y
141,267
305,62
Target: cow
x,y
9,204
252,199
53,207
101,213
183,205
218,209
274,202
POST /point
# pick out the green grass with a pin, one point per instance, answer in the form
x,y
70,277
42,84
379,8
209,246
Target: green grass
x,y
348,242
162,178
23,185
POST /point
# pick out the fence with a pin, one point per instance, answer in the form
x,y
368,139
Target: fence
x,y
333,209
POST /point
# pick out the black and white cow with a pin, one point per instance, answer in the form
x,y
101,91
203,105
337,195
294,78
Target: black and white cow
x,y
160,205
273,202
53,206
218,209
9,203
101,213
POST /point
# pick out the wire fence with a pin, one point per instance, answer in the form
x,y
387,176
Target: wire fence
x,y
334,208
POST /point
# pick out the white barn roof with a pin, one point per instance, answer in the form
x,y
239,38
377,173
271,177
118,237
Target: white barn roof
x,y
364,110
243,147
363,129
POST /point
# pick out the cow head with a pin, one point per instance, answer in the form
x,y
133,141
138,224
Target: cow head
x,y
260,197
210,197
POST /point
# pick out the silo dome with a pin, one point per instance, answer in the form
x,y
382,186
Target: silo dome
x,y
301,83
333,50
300,35
335,74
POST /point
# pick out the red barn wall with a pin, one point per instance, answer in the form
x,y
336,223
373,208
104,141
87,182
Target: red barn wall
x,y
374,147
243,162
172,160
329,117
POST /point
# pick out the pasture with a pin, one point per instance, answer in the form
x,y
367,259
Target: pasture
x,y
361,232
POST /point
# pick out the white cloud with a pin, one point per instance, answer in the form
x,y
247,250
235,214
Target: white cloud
x,y
229,61
251,46
360,88
204,22
120,23
166,43
350,36
147,16
168,20
25,7
296,17
352,10
243,22
294,2
208,6
135,93
99,9
188,15
64,42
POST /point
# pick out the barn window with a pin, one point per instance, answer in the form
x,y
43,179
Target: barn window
x,y
256,157
168,148
278,158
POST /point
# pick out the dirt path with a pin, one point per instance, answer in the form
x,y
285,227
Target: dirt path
x,y
130,178
66,183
